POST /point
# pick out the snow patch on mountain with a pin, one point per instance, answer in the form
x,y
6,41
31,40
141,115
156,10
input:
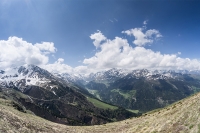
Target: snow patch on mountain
x,y
27,75
23,76
114,74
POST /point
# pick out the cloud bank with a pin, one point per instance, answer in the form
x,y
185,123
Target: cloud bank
x,y
115,53
16,52
58,67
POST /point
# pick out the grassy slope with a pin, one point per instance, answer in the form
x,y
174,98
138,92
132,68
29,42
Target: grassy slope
x,y
182,116
100,104
11,120
128,94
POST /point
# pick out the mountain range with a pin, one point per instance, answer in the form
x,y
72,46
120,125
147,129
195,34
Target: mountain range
x,y
142,90
35,90
96,98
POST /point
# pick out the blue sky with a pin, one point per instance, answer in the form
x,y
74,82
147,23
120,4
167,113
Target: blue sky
x,y
69,24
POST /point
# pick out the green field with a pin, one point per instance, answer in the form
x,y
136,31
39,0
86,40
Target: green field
x,y
94,92
126,95
196,89
133,111
100,104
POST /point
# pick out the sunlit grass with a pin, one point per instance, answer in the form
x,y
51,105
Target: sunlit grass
x,y
100,104
126,95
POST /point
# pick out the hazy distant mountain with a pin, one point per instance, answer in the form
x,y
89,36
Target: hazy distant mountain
x,y
142,89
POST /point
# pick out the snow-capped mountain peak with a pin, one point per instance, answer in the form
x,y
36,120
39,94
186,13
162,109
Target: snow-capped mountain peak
x,y
34,75
23,76
114,74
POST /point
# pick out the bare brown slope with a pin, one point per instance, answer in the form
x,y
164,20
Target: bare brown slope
x,y
183,116
12,121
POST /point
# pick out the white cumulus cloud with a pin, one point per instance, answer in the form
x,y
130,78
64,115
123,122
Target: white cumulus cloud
x,y
16,52
58,67
112,53
98,38
117,53
143,38
46,46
